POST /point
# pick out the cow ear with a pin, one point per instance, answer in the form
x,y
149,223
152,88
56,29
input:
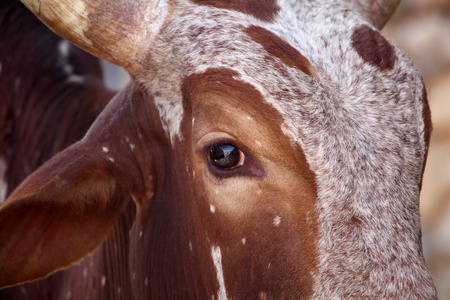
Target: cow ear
x,y
59,214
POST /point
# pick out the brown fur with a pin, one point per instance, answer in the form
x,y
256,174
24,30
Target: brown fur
x,y
277,47
373,48
270,228
262,9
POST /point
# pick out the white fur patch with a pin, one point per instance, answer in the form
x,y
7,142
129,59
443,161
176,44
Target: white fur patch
x,y
276,221
217,260
171,113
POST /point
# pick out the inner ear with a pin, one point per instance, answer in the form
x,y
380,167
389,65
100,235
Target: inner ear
x,y
61,212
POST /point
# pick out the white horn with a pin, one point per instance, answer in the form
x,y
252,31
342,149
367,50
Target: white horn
x,y
115,30
377,12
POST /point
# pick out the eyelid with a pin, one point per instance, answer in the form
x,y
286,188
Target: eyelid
x,y
219,143
216,138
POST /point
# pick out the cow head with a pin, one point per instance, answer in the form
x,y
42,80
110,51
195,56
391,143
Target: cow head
x,y
270,148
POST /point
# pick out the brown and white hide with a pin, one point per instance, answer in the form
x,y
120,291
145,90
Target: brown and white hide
x,y
264,149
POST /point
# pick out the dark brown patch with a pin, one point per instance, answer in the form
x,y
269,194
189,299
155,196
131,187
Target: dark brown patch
x,y
373,48
277,47
426,116
428,126
262,9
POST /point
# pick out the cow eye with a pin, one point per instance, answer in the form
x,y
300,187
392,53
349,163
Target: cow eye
x,y
226,156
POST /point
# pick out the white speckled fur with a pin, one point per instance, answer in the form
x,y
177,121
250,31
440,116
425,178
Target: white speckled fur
x,y
361,130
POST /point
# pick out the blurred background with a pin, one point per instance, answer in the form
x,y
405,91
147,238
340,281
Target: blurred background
x,y
422,29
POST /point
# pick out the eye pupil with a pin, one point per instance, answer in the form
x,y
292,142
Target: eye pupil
x,y
225,156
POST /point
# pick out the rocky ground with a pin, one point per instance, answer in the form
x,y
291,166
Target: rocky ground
x,y
422,28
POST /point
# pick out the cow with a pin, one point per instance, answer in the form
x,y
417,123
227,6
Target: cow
x,y
263,149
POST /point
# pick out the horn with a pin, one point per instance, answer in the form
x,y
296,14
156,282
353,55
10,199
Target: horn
x,y
118,31
377,12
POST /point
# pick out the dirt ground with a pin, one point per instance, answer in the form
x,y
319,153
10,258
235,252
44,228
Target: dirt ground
x,y
422,29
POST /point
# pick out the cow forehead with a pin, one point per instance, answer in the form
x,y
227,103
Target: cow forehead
x,y
203,37
198,38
